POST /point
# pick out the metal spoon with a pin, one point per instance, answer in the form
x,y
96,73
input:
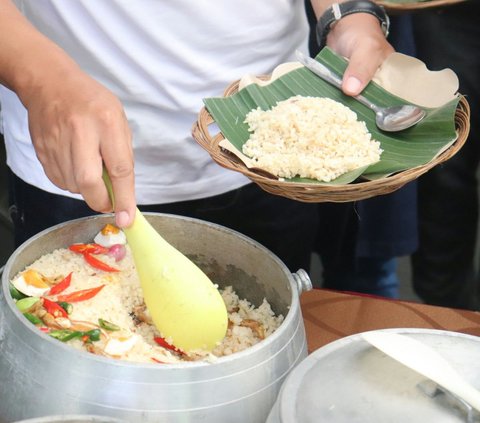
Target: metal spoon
x,y
390,119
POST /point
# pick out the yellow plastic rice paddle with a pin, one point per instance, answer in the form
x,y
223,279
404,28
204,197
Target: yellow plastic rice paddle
x,y
185,306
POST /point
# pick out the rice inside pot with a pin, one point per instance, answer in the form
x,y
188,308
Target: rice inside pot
x,y
120,302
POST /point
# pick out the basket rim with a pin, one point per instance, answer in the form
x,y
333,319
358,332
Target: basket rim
x,y
406,7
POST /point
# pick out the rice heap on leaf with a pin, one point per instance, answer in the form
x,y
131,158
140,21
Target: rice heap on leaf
x,y
309,137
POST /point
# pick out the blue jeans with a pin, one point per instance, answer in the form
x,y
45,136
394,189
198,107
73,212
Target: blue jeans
x,y
368,275
443,268
358,242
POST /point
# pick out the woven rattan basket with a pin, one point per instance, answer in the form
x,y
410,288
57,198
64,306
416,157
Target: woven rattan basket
x,y
391,6
316,193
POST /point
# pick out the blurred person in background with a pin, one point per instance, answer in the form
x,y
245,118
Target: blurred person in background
x,y
443,268
359,243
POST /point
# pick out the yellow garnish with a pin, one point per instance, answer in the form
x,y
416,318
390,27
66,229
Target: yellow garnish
x,y
34,278
110,278
110,229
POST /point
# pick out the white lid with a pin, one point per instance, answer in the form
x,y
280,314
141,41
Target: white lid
x,y
351,381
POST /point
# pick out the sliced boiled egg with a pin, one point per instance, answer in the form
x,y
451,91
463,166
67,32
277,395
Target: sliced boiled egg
x,y
110,235
121,345
31,283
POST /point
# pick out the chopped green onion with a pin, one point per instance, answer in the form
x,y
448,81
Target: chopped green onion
x,y
15,293
105,324
93,335
26,303
32,318
68,307
65,335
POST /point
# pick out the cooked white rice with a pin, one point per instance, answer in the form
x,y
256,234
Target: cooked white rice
x,y
309,137
121,299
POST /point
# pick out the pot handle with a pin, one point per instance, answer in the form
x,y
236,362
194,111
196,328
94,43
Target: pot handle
x,y
303,281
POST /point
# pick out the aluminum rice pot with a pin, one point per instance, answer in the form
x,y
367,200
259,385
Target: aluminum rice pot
x,y
40,376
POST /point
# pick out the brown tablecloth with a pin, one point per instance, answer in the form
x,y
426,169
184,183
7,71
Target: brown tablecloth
x,y
330,315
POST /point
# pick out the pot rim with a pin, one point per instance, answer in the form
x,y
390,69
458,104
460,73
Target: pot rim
x,y
72,418
293,308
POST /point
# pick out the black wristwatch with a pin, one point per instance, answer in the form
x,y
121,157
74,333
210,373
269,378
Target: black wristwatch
x,y
338,10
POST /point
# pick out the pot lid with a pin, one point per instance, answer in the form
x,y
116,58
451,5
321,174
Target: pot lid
x,y
72,419
351,381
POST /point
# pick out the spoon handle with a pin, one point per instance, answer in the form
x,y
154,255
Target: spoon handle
x,y
108,185
327,75
321,70
367,103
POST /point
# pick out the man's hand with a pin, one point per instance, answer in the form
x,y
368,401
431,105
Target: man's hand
x,y
77,125
359,38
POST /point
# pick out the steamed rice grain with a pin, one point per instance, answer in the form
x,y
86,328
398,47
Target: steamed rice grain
x,y
309,137
121,303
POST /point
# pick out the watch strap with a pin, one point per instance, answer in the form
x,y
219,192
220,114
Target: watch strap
x,y
339,10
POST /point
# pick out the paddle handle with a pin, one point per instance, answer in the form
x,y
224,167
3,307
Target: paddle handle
x,y
108,185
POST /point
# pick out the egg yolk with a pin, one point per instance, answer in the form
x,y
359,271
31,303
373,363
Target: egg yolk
x,y
33,278
109,229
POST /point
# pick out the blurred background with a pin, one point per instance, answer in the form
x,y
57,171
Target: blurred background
x,y
6,237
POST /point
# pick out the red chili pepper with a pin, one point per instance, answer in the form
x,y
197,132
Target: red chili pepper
x,y
161,341
88,248
82,295
53,308
157,360
61,286
98,264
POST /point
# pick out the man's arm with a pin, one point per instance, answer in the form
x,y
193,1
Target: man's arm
x,y
358,37
75,123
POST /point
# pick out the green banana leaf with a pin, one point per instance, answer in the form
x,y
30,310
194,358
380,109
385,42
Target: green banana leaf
x,y
403,150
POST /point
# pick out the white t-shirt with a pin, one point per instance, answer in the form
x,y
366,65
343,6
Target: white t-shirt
x,y
161,58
